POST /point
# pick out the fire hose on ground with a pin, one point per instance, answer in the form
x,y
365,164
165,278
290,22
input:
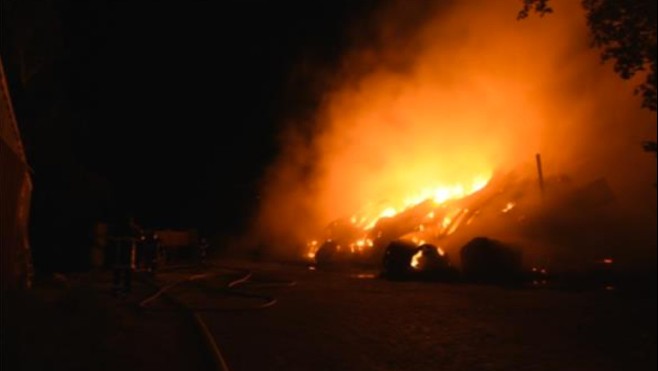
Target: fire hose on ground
x,y
231,290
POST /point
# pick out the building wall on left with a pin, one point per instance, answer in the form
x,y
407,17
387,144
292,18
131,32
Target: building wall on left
x,y
15,195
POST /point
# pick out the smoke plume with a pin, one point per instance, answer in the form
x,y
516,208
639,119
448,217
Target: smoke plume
x,y
449,93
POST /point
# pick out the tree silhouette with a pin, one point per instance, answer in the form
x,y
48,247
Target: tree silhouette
x,y
625,31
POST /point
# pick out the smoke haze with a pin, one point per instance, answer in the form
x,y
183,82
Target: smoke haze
x,y
449,94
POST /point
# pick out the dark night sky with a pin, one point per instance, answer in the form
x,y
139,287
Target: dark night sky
x,y
167,110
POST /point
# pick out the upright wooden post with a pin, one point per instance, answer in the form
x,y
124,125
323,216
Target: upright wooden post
x,y
540,173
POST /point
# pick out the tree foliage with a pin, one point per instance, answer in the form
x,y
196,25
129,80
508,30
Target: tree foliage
x,y
540,7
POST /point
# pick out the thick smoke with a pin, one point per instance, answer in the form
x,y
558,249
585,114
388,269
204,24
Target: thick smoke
x,y
452,93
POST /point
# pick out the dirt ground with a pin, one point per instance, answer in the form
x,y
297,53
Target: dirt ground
x,y
327,320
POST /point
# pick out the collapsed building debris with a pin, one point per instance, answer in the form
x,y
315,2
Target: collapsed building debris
x,y
510,210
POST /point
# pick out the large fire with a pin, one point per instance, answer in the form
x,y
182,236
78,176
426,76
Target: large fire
x,y
420,119
432,216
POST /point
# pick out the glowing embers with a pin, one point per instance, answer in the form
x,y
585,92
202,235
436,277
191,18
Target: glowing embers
x,y
508,207
364,276
428,256
405,260
415,259
312,248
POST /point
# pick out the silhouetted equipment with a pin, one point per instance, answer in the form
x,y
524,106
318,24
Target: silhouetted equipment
x,y
178,245
148,251
488,260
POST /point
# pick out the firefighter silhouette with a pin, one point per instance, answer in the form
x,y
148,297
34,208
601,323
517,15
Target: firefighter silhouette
x,y
149,246
126,234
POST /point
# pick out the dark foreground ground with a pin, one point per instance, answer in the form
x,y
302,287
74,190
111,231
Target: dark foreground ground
x,y
336,320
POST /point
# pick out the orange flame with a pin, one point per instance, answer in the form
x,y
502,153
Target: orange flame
x,y
431,113
368,219
415,260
